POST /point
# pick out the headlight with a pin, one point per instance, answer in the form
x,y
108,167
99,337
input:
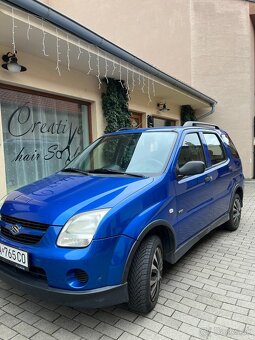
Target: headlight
x,y
80,229
2,200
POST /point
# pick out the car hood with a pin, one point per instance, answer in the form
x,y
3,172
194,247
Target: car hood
x,y
53,200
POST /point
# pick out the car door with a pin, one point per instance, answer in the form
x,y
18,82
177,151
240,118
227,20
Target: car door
x,y
194,194
221,174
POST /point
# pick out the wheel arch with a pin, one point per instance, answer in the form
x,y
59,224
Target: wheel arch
x,y
239,191
167,235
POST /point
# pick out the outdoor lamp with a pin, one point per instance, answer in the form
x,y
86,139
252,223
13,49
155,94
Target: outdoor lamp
x,y
162,107
11,63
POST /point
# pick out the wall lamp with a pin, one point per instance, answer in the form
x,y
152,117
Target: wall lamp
x,y
11,63
162,107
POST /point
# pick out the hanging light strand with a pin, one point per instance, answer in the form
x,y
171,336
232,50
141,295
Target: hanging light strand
x,y
80,50
153,88
58,54
68,53
120,80
43,41
114,67
29,26
13,32
149,95
133,80
106,71
98,70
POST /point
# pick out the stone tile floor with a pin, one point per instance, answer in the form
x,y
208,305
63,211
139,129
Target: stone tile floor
x,y
208,294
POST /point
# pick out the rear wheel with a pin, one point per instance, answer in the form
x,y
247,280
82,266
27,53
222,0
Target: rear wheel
x,y
145,275
235,214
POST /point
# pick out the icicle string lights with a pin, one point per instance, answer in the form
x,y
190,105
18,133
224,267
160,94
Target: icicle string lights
x,y
29,26
58,54
43,41
13,32
133,77
98,70
68,53
80,50
106,71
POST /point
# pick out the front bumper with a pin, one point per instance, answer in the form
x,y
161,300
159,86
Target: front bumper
x,y
93,298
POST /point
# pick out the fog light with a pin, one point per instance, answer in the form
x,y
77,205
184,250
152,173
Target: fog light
x,y
77,278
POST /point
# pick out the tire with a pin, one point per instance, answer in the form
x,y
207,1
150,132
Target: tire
x,y
235,214
145,275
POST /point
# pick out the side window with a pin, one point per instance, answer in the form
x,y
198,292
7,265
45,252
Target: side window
x,y
231,145
191,150
215,148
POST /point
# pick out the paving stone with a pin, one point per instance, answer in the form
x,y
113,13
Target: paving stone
x,y
6,332
129,327
174,334
66,323
112,331
28,317
46,326
148,323
63,334
25,329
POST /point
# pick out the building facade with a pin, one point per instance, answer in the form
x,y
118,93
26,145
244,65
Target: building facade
x,y
53,110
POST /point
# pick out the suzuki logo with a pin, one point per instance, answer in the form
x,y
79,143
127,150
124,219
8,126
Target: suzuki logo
x,y
15,229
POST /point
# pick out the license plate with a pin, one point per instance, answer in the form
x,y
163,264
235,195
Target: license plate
x,y
14,256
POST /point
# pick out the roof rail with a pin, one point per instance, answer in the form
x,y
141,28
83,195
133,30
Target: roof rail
x,y
124,128
195,123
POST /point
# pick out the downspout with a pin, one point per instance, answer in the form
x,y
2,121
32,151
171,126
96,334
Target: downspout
x,y
204,115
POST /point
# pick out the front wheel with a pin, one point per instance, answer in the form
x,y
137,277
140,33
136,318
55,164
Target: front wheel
x,y
145,275
235,214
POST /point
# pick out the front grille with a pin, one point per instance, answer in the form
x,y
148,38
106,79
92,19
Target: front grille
x,y
21,238
25,223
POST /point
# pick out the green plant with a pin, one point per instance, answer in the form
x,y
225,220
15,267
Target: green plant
x,y
187,113
115,105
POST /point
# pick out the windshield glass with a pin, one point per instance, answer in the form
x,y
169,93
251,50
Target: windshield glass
x,y
143,154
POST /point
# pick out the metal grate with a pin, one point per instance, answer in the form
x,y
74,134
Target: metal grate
x,y
24,223
21,238
81,275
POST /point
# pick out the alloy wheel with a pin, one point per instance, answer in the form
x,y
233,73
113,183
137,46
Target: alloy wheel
x,y
156,272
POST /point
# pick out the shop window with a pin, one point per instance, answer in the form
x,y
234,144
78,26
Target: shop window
x,y
40,135
158,121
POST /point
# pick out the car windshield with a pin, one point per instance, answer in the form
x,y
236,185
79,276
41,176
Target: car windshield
x,y
135,154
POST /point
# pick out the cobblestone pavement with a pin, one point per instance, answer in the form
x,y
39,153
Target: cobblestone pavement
x,y
208,294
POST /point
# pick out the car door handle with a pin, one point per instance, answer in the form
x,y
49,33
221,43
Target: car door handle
x,y
208,179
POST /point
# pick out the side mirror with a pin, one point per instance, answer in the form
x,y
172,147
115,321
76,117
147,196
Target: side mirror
x,y
191,168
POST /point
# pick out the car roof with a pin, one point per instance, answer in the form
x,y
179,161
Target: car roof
x,y
165,128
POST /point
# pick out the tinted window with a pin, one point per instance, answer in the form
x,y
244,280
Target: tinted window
x,y
231,145
215,148
139,153
191,150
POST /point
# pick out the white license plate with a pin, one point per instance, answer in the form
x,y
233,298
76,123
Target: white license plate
x,y
14,256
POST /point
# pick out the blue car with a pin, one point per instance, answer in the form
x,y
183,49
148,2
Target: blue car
x,y
97,233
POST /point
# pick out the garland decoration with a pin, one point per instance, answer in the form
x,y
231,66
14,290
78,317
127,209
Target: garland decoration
x,y
115,105
187,113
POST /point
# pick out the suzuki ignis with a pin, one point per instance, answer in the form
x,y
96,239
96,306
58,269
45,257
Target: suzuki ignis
x,y
97,232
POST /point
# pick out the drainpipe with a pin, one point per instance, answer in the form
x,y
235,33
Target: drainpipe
x,y
204,115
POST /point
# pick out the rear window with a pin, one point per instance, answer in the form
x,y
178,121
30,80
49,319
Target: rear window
x,y
215,148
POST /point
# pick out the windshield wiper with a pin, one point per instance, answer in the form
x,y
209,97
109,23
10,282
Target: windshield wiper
x,y
75,170
111,171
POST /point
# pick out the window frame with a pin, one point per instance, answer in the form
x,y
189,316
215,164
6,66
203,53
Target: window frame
x,y
41,94
181,144
208,153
